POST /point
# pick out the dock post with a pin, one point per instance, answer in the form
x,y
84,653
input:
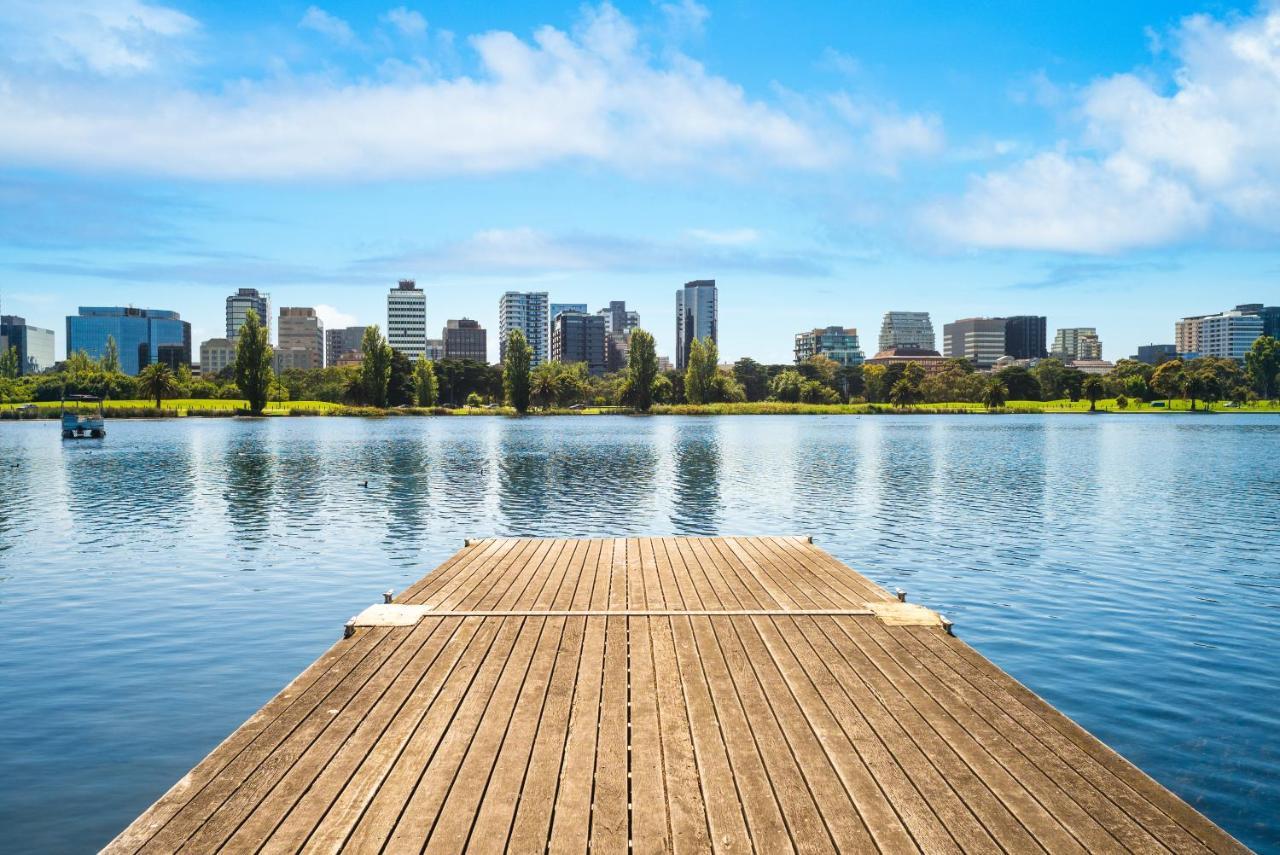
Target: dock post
x,y
387,596
902,595
349,628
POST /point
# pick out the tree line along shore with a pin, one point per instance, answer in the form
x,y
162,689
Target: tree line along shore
x,y
386,382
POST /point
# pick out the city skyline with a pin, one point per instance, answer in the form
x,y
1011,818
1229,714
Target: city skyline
x,y
874,161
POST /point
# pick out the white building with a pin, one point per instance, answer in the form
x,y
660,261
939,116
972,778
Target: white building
x,y
1071,343
907,329
216,354
407,319
528,312
1228,335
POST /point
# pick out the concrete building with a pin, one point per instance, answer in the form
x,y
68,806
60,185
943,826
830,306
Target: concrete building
x,y
142,336
1186,335
697,317
35,345
238,306
407,319
930,360
618,319
527,311
579,337
1228,335
1155,354
906,329
216,355
1025,336
980,340
1071,343
838,343
664,364
300,338
435,349
465,339
1093,366
339,341
557,308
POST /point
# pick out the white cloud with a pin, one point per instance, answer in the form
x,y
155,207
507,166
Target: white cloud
x,y
333,318
725,237
685,18
327,25
407,21
888,136
595,95
105,37
1150,166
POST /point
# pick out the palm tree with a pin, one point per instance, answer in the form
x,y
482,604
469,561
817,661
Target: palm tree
x,y
157,381
994,394
1092,388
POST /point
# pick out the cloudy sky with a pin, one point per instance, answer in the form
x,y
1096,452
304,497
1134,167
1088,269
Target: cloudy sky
x,y
1106,164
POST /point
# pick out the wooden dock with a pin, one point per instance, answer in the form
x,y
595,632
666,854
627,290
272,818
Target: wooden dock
x,y
664,694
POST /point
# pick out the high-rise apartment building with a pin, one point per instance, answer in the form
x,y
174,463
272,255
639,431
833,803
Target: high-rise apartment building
x,y
142,336
980,340
300,339
1227,335
557,308
465,339
238,306
435,349
1071,343
407,319
697,317
579,337
216,356
340,341
529,313
838,343
907,329
35,345
618,319
1025,336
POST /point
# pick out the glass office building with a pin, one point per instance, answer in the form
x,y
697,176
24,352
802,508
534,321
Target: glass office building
x,y
33,344
142,336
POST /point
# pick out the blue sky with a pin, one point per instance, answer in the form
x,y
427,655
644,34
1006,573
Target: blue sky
x,y
1108,165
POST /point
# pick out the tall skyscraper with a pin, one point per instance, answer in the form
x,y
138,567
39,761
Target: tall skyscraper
x,y
340,341
1076,343
1025,336
980,340
579,337
35,345
239,304
528,312
142,336
301,339
465,339
838,343
407,319
907,329
1270,317
697,316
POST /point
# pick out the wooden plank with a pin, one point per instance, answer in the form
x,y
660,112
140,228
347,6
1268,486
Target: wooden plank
x,y
611,795
571,814
650,818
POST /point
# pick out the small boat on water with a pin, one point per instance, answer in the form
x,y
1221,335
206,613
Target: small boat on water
x,y
82,417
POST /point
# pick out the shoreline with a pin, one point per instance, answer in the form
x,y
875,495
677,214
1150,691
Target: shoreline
x,y
131,410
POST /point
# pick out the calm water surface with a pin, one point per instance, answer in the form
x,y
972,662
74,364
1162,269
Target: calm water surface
x,y
157,588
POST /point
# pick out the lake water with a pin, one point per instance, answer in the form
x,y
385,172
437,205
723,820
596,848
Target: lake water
x,y
157,588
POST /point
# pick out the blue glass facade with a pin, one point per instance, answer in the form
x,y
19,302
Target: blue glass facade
x,y
139,333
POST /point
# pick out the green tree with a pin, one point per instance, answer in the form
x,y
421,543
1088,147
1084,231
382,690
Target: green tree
x,y
752,376
1166,380
700,373
400,386
994,394
1051,374
426,388
375,367
642,369
786,386
1093,389
1020,382
903,393
110,361
253,363
1262,364
157,381
515,371
9,364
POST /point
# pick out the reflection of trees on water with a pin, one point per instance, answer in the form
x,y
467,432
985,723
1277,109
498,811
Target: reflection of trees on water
x,y
249,489
697,480
408,494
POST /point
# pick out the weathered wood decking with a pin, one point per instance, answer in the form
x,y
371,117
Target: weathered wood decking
x,y
722,693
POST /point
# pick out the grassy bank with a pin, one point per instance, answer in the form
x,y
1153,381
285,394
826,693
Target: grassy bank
x,y
194,408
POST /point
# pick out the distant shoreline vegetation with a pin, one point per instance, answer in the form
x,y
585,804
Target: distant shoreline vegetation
x,y
386,382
